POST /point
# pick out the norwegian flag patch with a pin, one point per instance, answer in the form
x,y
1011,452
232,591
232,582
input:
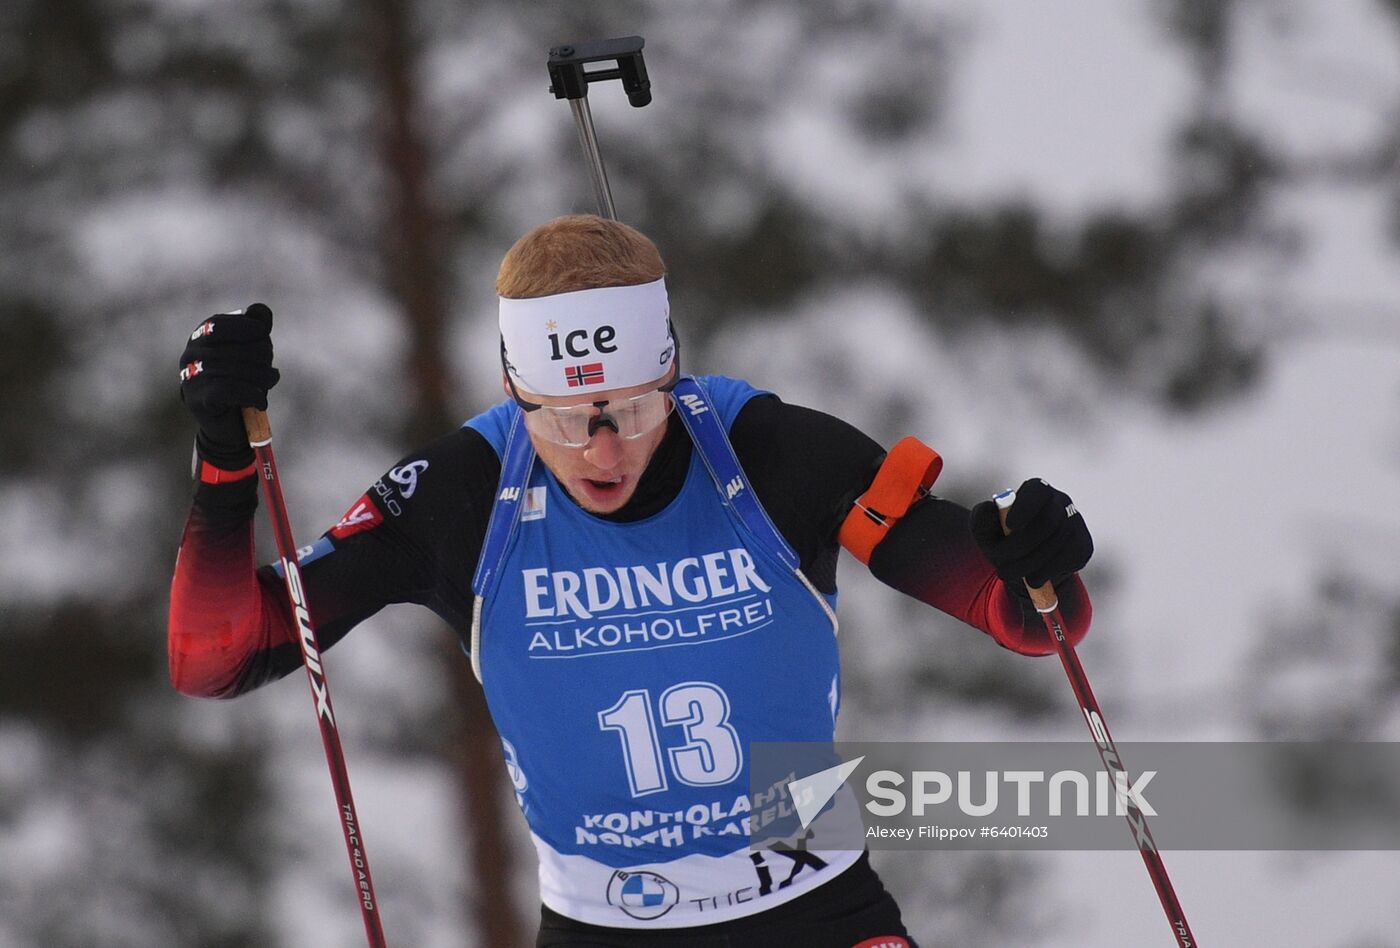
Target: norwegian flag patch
x,y
361,516
589,373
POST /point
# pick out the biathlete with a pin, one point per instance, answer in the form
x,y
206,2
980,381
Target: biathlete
x,y
641,567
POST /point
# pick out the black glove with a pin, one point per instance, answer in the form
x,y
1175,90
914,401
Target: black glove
x,y
227,366
1048,539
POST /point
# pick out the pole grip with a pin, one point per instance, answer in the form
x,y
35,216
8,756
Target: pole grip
x,y
1042,596
259,428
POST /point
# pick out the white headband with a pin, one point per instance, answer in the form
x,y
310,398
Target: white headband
x,y
588,340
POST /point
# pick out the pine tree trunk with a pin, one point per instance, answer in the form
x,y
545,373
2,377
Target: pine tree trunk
x,y
414,245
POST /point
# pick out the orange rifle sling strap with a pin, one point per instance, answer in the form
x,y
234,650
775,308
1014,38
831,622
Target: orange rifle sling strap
x,y
907,473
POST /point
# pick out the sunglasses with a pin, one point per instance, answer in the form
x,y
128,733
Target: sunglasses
x,y
573,426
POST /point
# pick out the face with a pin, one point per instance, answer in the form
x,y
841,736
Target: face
x,y
602,475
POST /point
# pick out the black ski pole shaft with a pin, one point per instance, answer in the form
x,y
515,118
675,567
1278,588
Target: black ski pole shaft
x,y
1048,605
569,79
260,437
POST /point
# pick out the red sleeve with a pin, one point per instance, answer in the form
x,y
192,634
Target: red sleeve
x,y
932,556
1014,623
231,627
224,616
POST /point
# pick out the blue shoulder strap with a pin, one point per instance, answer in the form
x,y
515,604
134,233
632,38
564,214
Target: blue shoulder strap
x,y
707,431
516,463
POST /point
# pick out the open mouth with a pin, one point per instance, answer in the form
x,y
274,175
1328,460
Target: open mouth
x,y
601,493
606,492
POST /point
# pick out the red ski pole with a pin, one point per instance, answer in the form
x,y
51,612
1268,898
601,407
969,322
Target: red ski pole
x,y
1048,605
260,437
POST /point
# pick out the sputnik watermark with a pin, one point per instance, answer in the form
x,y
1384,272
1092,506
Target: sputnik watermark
x,y
933,788
974,795
1205,796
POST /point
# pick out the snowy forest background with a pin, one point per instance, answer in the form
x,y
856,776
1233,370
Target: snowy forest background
x,y
1149,250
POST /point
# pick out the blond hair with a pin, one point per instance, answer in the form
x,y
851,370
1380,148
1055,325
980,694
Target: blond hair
x,y
577,252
